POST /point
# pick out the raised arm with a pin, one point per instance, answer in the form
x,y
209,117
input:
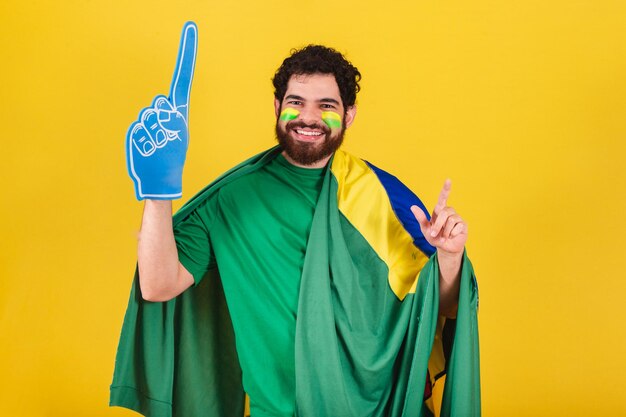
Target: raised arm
x,y
156,147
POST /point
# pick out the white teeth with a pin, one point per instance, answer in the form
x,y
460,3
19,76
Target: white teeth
x,y
306,133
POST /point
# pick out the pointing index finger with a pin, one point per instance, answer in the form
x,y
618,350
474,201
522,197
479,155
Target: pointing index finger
x,y
185,63
443,196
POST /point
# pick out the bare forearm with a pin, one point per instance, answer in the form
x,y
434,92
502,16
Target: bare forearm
x,y
159,268
449,282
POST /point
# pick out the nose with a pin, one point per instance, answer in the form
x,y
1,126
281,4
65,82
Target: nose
x,y
310,114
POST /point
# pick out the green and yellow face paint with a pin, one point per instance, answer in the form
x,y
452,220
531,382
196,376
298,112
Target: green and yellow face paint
x,y
332,119
288,114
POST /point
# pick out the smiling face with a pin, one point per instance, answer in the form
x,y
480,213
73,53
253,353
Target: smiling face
x,y
311,119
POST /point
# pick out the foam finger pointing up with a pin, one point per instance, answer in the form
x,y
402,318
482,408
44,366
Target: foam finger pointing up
x,y
183,73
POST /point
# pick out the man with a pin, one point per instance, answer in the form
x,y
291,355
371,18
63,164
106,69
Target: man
x,y
327,319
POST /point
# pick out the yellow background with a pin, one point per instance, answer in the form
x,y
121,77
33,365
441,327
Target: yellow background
x,y
522,104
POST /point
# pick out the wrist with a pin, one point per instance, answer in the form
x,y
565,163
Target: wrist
x,y
158,208
450,256
161,204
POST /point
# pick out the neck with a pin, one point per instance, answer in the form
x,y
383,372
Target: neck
x,y
318,164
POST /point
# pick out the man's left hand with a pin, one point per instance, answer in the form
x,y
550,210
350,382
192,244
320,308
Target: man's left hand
x,y
445,230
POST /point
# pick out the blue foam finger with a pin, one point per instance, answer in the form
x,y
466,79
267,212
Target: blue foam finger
x,y
185,64
156,144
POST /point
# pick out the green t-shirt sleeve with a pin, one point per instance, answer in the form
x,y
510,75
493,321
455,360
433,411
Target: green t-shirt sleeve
x,y
193,239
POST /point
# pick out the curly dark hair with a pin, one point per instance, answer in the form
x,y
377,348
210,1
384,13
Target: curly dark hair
x,y
318,59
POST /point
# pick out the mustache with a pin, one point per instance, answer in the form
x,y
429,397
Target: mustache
x,y
299,124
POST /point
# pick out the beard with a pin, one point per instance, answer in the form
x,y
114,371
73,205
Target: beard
x,y
308,153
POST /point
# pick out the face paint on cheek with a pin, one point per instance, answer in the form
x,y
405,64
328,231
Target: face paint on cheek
x,y
332,119
288,114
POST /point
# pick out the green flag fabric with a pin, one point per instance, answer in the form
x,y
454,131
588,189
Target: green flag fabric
x,y
369,340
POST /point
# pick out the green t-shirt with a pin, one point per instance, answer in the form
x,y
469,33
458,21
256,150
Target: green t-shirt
x,y
255,230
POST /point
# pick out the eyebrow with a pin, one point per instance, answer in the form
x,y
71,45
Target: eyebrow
x,y
323,100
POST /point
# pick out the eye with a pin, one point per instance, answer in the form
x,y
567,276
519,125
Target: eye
x,y
294,102
328,106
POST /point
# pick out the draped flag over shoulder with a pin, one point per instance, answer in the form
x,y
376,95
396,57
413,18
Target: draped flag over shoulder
x,y
369,340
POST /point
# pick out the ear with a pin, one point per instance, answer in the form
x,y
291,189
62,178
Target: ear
x,y
350,115
276,107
